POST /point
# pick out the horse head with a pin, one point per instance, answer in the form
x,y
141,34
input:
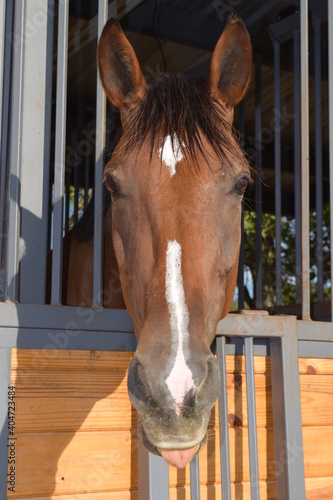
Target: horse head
x,y
177,178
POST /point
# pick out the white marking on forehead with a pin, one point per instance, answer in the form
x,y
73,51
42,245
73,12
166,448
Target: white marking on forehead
x,y
171,155
180,379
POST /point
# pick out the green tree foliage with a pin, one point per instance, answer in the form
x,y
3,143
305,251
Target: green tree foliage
x,y
288,257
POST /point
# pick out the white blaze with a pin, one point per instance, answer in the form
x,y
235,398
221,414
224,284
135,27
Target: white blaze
x,y
171,155
180,380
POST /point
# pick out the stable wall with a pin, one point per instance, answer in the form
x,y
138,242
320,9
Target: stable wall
x,y
77,440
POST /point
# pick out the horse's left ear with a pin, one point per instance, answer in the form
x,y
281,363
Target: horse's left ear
x,y
230,67
119,69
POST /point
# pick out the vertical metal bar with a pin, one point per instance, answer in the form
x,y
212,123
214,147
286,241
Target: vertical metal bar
x,y
252,418
153,475
34,174
48,122
67,200
99,166
319,167
5,126
304,57
60,150
297,168
5,382
195,478
2,53
76,178
330,100
241,298
86,178
15,153
288,440
224,420
277,169
258,194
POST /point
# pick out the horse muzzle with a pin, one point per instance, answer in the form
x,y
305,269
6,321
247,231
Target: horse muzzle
x,y
176,433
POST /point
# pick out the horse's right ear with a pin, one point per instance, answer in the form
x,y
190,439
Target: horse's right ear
x,y
119,68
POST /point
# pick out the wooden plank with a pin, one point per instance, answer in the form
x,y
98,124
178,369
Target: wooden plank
x,y
315,366
108,495
61,360
66,464
320,488
316,489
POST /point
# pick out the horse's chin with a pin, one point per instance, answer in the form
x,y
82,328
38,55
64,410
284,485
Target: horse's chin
x,y
179,458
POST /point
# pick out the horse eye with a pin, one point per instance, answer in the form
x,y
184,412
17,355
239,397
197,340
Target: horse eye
x,y
111,184
241,185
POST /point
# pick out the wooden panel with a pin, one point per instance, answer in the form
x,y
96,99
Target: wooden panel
x,y
74,424
58,360
72,401
109,495
316,489
64,463
315,366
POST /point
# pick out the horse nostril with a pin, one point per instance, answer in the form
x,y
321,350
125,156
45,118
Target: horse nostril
x,y
137,388
189,399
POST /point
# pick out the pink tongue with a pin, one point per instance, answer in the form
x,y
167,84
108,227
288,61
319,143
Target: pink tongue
x,y
179,458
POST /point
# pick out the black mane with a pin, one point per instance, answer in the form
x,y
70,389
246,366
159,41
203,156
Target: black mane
x,y
182,106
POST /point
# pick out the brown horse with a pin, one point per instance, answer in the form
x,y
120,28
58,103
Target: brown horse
x,y
177,178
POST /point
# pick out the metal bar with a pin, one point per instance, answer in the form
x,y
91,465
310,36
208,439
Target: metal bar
x,y
153,474
37,316
86,178
76,178
67,340
304,58
253,325
297,168
277,171
258,193
241,299
5,126
319,166
34,175
2,54
60,151
195,478
15,154
224,421
47,197
314,349
252,418
99,166
319,331
288,439
330,101
67,200
5,383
